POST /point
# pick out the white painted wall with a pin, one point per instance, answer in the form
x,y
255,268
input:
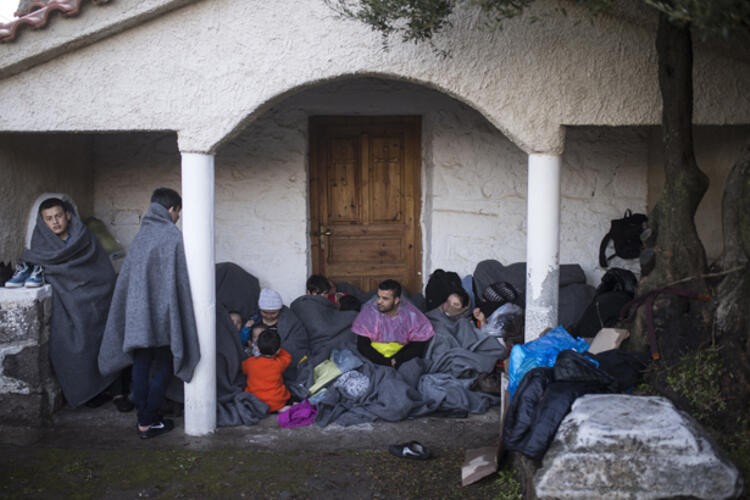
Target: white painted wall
x,y
474,183
203,68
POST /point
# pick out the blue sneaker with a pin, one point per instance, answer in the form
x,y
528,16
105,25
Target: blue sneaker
x,y
23,271
36,278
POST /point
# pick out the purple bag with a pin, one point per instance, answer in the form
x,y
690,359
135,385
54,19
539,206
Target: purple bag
x,y
297,415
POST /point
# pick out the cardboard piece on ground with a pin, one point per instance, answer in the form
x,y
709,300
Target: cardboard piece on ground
x,y
481,462
607,339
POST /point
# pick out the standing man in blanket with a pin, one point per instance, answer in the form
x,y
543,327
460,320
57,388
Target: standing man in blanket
x,y
391,331
151,322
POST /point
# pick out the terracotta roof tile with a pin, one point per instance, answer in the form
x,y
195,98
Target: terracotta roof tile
x,y
36,14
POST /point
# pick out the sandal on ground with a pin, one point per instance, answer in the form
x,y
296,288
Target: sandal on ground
x,y
412,449
122,403
157,429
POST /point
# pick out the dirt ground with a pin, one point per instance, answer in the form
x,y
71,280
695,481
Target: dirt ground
x,y
96,453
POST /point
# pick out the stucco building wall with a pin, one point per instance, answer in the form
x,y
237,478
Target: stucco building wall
x,y
243,85
32,164
473,183
203,68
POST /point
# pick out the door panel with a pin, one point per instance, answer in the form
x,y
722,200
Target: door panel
x,y
364,199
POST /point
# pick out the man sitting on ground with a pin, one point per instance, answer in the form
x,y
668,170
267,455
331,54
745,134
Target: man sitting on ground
x,y
391,331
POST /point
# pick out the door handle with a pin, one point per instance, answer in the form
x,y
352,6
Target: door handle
x,y
325,232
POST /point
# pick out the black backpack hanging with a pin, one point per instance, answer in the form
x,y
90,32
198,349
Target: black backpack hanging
x,y
626,235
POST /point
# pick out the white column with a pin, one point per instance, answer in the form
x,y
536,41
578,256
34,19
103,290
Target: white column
x,y
542,244
198,233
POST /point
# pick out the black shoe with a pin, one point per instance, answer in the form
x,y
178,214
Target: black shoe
x,y
98,400
157,429
123,404
412,449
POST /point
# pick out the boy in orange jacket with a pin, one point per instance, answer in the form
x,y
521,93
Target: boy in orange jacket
x,y
264,373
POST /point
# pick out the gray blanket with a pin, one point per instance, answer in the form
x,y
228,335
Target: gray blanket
x,y
294,339
236,290
327,327
437,383
82,280
392,396
152,305
459,350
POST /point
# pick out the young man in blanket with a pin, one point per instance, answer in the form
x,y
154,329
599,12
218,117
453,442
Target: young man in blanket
x,y
82,279
151,323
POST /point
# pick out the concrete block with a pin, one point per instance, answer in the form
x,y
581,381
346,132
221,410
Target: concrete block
x,y
24,314
622,446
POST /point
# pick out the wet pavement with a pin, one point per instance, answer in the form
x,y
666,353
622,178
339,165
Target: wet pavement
x,y
106,427
102,446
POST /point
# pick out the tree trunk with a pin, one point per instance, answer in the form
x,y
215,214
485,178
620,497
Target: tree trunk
x,y
681,324
732,319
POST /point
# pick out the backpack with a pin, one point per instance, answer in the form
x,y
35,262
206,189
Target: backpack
x,y
439,286
618,280
617,288
626,235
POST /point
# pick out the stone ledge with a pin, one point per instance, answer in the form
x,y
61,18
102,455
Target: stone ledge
x,y
24,296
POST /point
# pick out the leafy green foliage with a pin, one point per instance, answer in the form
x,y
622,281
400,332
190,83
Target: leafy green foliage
x,y
697,378
420,20
724,18
417,20
508,487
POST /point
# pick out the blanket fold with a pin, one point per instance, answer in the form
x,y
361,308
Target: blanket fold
x,y
152,305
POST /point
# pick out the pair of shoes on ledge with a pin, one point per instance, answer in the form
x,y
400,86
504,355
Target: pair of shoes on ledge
x,y
26,276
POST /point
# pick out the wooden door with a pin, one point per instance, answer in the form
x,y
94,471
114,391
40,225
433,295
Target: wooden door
x,y
364,199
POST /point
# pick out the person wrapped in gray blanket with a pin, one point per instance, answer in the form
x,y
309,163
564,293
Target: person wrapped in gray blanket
x,y
327,326
237,290
151,323
458,348
72,255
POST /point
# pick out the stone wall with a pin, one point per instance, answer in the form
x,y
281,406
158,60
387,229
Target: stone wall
x,y
29,392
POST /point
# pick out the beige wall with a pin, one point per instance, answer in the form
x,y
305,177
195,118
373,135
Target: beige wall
x,y
473,183
32,164
716,150
204,68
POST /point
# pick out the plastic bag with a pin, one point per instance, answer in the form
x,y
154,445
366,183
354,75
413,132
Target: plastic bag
x,y
506,322
540,352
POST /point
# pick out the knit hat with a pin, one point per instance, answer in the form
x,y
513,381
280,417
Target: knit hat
x,y
500,292
270,300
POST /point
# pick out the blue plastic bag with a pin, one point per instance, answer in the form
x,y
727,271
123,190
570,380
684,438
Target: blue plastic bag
x,y
540,352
